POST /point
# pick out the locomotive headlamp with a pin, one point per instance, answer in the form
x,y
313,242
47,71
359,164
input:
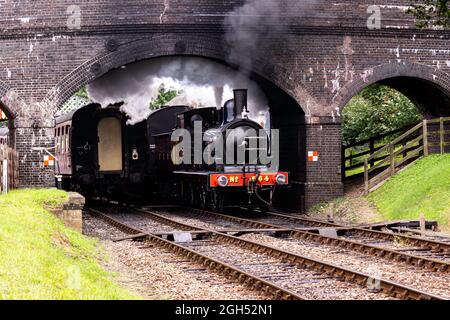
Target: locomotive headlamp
x,y
281,179
222,181
135,154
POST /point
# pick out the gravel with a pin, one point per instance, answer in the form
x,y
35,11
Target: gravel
x,y
429,281
304,282
163,274
155,273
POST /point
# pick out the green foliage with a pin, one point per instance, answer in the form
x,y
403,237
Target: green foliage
x,y
164,96
376,110
432,13
424,188
40,258
82,93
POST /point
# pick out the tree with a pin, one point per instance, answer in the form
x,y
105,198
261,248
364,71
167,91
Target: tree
x,y
432,13
376,110
164,96
82,93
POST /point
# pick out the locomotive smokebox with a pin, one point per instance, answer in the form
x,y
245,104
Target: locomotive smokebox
x,y
240,102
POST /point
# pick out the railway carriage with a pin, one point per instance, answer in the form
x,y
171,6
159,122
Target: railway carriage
x,y
99,155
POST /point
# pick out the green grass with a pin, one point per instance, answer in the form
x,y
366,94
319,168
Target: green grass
x,y
40,258
424,188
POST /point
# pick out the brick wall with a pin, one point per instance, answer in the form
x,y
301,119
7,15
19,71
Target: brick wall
x,y
322,58
323,178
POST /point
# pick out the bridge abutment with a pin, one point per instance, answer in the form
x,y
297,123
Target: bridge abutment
x,y
31,139
323,174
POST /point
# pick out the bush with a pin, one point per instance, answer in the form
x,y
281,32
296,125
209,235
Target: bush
x,y
376,110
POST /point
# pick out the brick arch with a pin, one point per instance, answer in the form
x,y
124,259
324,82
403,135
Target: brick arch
x,y
399,76
5,101
205,46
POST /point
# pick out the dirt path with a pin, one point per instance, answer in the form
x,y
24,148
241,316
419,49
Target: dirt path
x,y
353,207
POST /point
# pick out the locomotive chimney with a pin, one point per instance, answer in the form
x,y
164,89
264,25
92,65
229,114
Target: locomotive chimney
x,y
240,102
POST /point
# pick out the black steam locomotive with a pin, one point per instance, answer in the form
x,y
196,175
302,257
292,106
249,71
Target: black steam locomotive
x,y
99,155
225,169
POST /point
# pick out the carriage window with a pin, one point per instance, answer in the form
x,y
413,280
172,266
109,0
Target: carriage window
x,y
109,132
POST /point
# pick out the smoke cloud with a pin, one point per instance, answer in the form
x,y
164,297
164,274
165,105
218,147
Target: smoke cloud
x,y
202,83
258,21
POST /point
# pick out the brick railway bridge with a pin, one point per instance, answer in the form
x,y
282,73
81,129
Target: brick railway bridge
x,y
309,71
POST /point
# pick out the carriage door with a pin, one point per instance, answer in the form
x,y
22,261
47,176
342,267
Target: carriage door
x,y
110,144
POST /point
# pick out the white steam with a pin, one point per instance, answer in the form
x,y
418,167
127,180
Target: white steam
x,y
202,83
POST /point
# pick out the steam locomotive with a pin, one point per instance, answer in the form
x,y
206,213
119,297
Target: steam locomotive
x,y
99,155
231,173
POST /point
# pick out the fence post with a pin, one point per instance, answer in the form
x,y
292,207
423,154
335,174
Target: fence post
x,y
425,138
366,176
392,159
5,175
441,134
372,151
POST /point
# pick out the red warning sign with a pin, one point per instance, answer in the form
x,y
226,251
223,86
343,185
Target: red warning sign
x,y
313,156
49,161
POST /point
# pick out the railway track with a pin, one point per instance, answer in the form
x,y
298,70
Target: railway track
x,y
428,248
278,273
419,252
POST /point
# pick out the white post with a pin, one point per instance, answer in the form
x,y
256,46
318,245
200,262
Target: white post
x,y
423,225
5,176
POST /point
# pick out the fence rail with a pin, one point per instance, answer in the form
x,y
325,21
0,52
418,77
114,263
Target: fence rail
x,y
353,160
9,169
429,136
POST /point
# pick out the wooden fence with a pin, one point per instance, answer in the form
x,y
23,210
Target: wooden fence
x,y
353,155
9,169
429,136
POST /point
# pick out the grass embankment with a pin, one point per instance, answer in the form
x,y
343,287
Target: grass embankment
x,y
422,188
40,258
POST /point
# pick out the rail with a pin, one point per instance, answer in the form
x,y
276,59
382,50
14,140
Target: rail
x,y
387,287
